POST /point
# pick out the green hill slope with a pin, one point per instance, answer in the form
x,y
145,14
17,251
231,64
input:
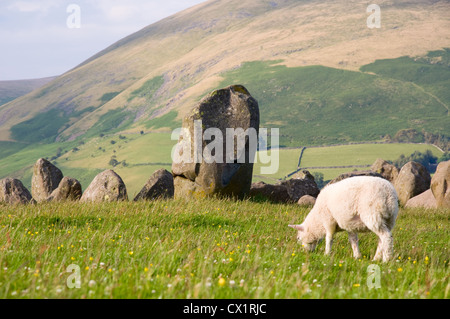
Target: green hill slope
x,y
11,90
318,105
169,65
319,74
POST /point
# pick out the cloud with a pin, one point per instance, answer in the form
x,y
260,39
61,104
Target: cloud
x,y
32,6
40,43
121,12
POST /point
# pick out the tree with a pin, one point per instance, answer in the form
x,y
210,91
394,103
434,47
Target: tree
x,y
445,157
113,162
319,178
427,159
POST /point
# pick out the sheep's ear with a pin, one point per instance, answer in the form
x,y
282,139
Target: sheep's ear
x,y
297,227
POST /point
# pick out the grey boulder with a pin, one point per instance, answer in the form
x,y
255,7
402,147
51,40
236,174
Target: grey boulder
x,y
159,186
106,187
13,192
46,178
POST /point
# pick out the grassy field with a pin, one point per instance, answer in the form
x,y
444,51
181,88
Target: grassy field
x,y
208,249
344,155
140,155
364,154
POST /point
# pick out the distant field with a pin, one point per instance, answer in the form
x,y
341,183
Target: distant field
x,y
140,155
364,154
208,249
346,155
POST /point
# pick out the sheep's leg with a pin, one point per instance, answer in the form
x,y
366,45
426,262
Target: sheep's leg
x,y
385,246
388,246
379,252
330,229
329,243
354,242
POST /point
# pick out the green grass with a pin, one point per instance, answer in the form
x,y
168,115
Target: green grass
x,y
168,120
108,97
40,128
148,89
45,127
364,154
344,155
144,154
180,249
23,160
431,72
112,122
9,148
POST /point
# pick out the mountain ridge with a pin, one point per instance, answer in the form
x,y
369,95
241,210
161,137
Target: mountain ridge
x,y
192,50
13,89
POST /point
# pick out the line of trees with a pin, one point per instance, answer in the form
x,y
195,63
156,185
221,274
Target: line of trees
x,y
427,159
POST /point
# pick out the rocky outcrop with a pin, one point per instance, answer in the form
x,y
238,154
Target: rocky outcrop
x,y
440,185
106,187
220,171
46,178
13,192
159,186
412,180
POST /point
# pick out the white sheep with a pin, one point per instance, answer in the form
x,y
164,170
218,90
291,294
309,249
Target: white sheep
x,y
358,204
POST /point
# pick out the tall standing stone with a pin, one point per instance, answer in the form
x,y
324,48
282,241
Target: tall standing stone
x,y
413,180
440,185
224,174
46,178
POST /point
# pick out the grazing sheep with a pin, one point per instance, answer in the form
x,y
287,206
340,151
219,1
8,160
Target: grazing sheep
x,y
358,204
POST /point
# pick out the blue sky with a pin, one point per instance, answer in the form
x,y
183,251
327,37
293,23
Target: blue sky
x,y
35,40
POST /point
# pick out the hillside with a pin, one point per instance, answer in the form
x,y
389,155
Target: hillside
x,y
318,72
11,90
165,68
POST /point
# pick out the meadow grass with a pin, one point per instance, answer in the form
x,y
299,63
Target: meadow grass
x,y
180,249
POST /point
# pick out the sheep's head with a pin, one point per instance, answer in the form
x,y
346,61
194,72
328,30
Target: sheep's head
x,y
308,241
